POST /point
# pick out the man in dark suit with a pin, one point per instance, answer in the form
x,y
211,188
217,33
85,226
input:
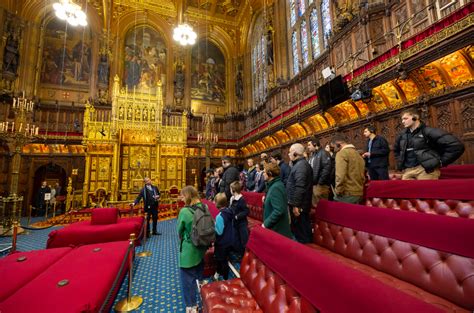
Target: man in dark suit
x,y
231,174
40,202
299,189
150,195
376,157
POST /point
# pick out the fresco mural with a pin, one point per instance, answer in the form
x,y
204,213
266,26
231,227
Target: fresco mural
x,y
208,73
66,55
145,59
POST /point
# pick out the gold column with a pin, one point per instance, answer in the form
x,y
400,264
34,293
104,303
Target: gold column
x,y
85,188
115,167
15,169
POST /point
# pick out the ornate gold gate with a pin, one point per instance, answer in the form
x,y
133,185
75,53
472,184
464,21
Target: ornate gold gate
x,y
130,144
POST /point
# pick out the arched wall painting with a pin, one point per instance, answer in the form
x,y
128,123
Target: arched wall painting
x,y
208,73
67,55
145,59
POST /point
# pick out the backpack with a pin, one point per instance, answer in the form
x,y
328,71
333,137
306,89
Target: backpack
x,y
203,226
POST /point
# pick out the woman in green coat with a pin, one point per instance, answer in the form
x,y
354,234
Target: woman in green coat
x,y
190,257
275,207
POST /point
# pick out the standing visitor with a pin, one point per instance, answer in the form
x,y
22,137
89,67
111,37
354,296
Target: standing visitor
x,y
190,256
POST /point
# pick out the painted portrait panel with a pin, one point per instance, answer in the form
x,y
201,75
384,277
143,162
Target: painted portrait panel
x,y
66,55
208,73
145,59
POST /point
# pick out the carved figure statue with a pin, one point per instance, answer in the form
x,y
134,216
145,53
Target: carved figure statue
x,y
11,55
179,83
104,69
270,47
239,86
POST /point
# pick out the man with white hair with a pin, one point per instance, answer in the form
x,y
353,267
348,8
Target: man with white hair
x,y
299,189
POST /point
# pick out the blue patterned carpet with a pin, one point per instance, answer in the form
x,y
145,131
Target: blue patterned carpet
x,y
156,277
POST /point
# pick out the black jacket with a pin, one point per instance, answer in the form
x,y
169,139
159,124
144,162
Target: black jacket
x,y
284,171
433,147
299,187
149,202
378,153
231,174
321,164
251,179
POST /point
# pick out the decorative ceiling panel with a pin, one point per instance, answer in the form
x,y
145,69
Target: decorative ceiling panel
x,y
409,88
323,121
432,77
349,109
456,67
315,126
392,94
282,136
363,108
378,101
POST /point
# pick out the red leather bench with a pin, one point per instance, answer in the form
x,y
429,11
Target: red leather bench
x,y
430,257
255,205
453,197
304,281
32,285
104,226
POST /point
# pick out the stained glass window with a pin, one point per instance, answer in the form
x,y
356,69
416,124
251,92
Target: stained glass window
x,y
292,13
301,7
304,43
326,19
308,32
259,54
314,33
294,45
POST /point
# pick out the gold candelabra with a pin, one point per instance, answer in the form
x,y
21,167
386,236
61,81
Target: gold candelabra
x,y
16,133
208,139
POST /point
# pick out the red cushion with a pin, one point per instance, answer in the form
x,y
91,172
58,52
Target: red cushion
x,y
90,273
15,274
104,216
83,233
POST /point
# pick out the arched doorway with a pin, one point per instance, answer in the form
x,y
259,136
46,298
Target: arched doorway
x,y
51,173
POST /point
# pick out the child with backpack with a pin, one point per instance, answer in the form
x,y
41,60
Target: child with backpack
x,y
192,243
240,210
225,235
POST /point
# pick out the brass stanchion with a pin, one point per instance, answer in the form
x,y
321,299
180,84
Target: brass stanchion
x,y
131,302
14,236
28,221
144,253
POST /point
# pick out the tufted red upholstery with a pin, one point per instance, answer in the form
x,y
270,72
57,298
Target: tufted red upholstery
x,y
209,263
258,290
454,208
255,212
446,275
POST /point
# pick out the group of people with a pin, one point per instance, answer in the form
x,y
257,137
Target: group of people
x,y
338,171
45,196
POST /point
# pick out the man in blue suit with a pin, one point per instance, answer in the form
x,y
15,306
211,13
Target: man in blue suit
x,y
151,196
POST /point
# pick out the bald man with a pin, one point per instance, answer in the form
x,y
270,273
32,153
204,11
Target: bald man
x,y
299,189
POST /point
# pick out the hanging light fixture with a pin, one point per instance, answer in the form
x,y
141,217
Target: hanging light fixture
x,y
70,12
183,33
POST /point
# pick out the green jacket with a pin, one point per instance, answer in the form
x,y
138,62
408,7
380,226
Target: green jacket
x,y
189,254
275,208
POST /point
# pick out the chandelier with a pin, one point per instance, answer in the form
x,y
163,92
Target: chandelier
x,y
70,12
207,137
19,129
184,35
